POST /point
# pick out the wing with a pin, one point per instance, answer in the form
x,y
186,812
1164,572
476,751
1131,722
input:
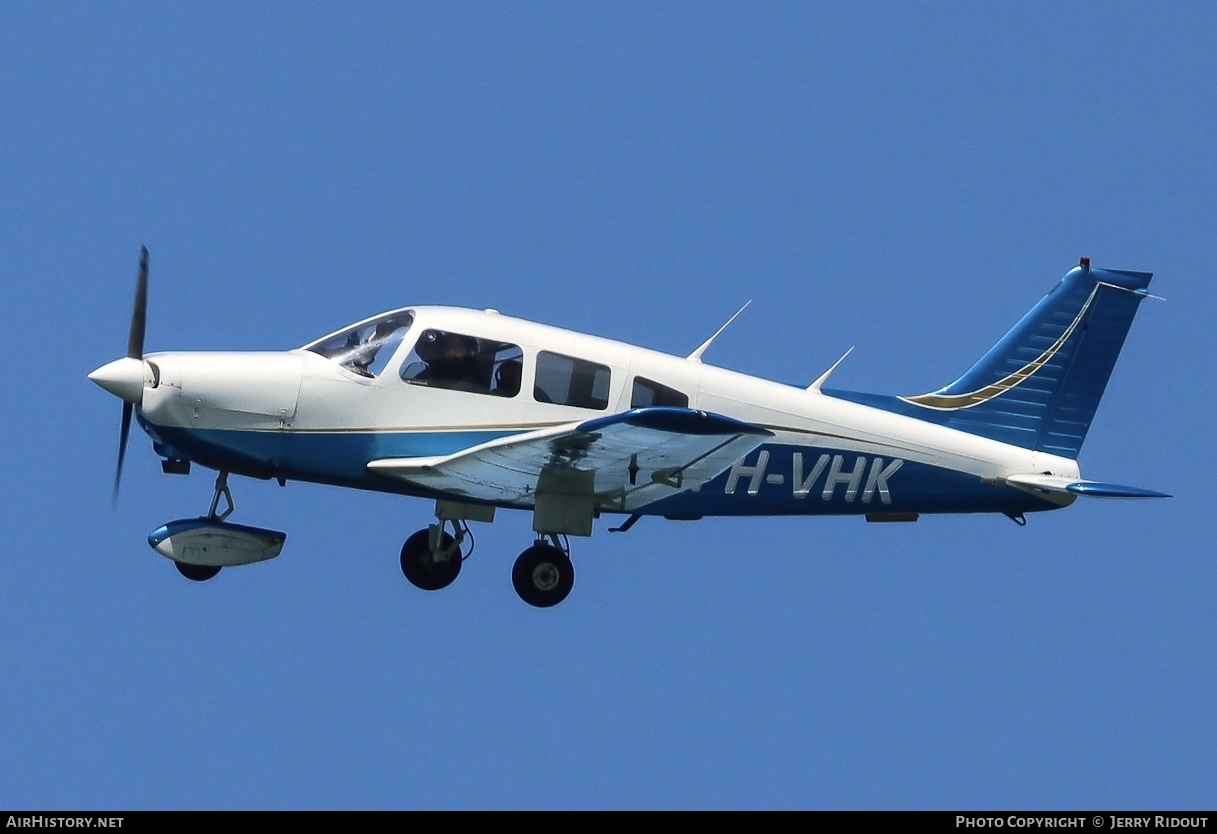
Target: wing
x,y
625,461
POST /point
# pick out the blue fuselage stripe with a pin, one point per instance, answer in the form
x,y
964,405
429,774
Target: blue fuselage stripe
x,y
775,479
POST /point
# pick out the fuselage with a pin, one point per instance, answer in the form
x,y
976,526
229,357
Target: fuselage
x,y
379,390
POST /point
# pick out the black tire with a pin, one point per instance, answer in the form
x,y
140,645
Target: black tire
x,y
196,573
420,566
543,575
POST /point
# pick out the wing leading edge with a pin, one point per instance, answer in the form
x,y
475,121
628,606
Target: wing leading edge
x,y
624,461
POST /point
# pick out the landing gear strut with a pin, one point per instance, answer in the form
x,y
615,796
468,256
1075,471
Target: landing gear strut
x,y
431,558
201,573
543,575
221,491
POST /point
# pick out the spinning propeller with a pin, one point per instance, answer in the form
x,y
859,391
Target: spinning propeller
x,y
124,378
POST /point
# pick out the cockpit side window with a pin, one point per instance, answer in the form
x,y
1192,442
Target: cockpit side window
x,y
457,362
565,380
366,348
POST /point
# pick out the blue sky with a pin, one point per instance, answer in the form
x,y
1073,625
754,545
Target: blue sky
x,y
908,178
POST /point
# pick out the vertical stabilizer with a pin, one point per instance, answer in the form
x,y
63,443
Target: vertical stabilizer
x,y
1040,385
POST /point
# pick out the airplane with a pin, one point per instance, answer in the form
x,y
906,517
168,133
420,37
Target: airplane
x,y
478,412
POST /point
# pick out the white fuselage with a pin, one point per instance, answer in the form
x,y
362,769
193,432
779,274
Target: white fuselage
x,y
300,415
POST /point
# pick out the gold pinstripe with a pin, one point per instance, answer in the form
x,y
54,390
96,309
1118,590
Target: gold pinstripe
x,y
953,402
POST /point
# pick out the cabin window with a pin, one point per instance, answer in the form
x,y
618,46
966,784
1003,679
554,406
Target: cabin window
x,y
564,380
366,348
457,362
647,393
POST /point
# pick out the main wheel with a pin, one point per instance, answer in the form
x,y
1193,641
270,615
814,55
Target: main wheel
x,y
196,573
543,575
423,568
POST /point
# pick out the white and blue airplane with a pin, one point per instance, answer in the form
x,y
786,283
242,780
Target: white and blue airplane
x,y
479,412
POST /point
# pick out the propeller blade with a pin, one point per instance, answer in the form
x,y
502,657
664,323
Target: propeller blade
x,y
135,350
139,312
122,449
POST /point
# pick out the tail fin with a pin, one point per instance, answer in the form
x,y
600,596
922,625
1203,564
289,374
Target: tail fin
x,y
1040,385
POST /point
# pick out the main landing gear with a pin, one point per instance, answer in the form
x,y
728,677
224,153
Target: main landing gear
x,y
431,558
543,575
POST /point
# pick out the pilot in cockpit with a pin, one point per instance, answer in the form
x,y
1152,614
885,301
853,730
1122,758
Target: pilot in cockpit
x,y
452,361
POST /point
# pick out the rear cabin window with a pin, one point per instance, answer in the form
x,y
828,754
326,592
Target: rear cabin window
x,y
647,393
564,380
457,362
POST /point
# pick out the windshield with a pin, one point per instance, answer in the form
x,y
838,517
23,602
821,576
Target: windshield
x,y
365,348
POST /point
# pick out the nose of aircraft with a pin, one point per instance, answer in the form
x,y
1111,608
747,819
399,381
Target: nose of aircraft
x,y
124,378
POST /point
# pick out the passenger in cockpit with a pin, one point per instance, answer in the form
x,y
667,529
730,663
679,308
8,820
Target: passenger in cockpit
x,y
507,378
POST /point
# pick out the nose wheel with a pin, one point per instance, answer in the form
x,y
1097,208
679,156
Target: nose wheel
x,y
196,573
543,575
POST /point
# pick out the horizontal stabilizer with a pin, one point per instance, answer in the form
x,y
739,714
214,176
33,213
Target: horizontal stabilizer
x,y
623,461
1074,486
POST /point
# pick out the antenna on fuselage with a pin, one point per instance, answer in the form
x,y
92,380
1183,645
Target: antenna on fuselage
x,y
695,356
815,386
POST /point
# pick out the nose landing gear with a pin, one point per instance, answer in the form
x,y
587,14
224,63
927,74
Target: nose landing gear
x,y
201,573
199,547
